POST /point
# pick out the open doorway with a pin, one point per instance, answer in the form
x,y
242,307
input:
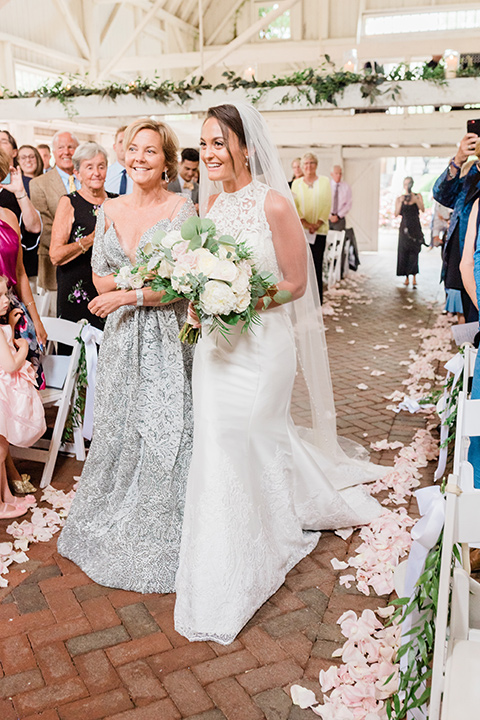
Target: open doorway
x,y
393,170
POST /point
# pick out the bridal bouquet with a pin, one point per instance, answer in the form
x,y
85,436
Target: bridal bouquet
x,y
215,273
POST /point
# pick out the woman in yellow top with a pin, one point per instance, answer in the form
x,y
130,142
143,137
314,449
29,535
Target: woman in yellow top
x,y
313,199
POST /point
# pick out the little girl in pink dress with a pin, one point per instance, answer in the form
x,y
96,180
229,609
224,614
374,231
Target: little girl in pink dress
x,y
22,418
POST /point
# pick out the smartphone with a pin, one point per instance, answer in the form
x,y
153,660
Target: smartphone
x,y
473,126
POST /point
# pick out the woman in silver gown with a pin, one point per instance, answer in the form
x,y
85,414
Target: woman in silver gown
x,y
125,523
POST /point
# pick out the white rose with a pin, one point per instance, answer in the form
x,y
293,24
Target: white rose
x,y
172,237
243,301
179,279
136,282
246,266
165,269
206,262
217,298
224,270
226,250
153,262
124,279
241,283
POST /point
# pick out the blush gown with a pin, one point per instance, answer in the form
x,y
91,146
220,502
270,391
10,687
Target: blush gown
x,y
257,493
22,418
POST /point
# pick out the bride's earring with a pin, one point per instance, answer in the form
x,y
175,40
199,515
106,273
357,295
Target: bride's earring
x,y
247,164
165,175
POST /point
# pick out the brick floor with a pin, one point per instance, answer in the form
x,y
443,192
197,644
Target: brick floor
x,y
71,649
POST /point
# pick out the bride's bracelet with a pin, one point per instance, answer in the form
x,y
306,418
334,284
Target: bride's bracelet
x,y
140,298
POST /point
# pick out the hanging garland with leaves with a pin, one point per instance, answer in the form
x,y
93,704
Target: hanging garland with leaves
x,y
324,84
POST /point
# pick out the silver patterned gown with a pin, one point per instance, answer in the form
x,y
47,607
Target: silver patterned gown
x,y
125,523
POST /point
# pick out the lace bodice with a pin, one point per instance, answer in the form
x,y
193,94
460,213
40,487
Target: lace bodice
x,y
242,215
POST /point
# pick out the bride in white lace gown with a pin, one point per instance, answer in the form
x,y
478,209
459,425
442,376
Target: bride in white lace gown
x,y
257,493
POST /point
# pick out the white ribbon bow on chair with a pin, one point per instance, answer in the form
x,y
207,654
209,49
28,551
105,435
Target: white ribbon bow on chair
x,y
92,337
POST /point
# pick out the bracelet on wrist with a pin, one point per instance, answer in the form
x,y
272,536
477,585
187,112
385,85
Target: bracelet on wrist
x,y
21,196
452,162
140,298
82,247
32,302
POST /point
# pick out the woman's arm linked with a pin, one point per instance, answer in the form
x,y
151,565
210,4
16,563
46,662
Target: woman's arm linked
x,y
61,251
289,243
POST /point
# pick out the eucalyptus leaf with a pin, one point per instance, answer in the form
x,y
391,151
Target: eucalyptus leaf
x,y
191,228
195,243
158,236
282,296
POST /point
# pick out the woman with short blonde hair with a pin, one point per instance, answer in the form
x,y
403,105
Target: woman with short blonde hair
x,y
313,200
125,523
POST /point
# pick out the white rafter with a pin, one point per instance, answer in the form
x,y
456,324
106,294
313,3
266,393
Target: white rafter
x,y
244,36
225,20
73,28
145,20
161,13
43,50
111,19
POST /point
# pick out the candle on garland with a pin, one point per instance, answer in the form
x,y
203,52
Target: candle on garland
x,y
350,61
249,73
452,61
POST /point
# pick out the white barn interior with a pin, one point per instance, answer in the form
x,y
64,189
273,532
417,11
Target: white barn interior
x,y
120,40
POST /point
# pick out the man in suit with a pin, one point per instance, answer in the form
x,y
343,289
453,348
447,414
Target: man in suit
x,y
45,192
46,155
118,181
184,182
341,199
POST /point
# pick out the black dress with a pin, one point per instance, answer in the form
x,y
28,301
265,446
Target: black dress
x,y
410,239
75,288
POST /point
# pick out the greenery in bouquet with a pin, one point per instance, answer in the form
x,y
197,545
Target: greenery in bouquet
x,y
215,273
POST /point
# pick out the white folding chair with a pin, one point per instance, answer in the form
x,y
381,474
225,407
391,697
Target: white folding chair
x,y
60,375
333,256
467,425
46,302
462,514
42,303
469,359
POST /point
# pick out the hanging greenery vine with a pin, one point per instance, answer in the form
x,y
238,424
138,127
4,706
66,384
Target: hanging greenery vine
x,y
77,410
324,84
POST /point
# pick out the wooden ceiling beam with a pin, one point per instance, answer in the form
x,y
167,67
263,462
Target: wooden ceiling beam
x,y
73,28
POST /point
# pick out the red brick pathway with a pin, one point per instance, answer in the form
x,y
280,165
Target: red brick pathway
x,y
73,650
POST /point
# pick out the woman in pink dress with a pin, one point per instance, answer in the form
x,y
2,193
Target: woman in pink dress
x,y
22,419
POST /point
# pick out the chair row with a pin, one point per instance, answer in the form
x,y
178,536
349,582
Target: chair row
x,y
60,393
455,688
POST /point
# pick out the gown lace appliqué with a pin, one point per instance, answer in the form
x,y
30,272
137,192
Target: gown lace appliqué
x,y
125,524
257,492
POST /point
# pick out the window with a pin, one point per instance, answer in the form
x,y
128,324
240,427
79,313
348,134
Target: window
x,y
28,78
279,29
427,21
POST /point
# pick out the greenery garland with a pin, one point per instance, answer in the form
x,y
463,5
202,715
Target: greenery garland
x,y
77,409
316,86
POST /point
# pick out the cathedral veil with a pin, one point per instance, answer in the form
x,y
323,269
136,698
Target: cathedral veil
x,y
347,458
